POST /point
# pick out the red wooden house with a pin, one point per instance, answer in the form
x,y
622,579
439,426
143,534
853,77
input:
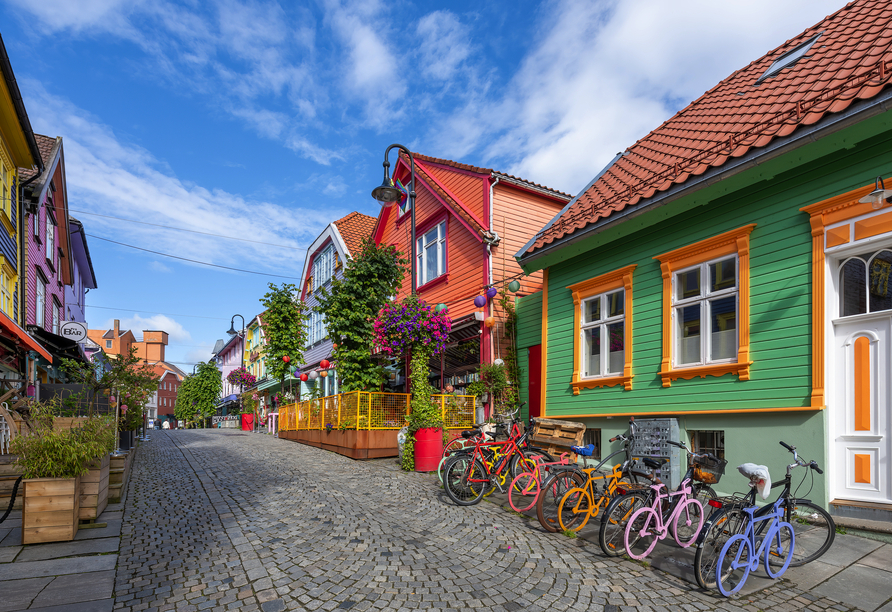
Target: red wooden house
x,y
470,222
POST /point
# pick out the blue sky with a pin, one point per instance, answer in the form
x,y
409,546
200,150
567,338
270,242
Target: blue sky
x,y
265,120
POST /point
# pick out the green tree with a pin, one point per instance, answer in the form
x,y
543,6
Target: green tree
x,y
350,306
126,374
285,329
198,394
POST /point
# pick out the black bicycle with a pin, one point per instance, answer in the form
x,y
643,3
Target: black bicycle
x,y
813,527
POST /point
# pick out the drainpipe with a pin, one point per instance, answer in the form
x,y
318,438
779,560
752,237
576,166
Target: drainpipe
x,y
489,258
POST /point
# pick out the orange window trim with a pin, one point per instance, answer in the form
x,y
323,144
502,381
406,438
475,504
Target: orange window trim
x,y
842,207
618,279
674,411
735,242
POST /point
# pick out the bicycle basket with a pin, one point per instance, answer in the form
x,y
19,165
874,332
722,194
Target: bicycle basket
x,y
707,470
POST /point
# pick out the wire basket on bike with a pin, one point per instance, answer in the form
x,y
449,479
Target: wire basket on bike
x,y
708,470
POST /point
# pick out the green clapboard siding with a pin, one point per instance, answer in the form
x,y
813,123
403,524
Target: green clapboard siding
x,y
780,292
529,333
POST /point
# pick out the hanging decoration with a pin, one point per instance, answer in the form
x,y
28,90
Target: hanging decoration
x,y
499,362
480,301
324,364
314,375
441,307
331,373
304,377
492,292
323,373
334,346
286,359
514,286
489,321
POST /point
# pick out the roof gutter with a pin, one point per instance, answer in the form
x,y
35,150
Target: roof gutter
x,y
532,240
856,113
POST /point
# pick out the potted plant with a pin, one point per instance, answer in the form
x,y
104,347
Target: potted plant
x,y
249,407
492,386
414,328
53,462
95,483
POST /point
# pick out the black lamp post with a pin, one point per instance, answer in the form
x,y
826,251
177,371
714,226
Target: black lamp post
x,y
232,330
388,195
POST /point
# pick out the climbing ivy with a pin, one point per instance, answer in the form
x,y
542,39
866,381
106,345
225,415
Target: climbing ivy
x,y
285,329
350,305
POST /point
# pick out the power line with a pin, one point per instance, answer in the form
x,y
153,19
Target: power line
x,y
169,314
183,229
203,263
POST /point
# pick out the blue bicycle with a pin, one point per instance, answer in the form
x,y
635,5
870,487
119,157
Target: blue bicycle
x,y
741,553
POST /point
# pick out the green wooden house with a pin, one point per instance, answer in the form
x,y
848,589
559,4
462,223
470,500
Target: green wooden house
x,y
731,270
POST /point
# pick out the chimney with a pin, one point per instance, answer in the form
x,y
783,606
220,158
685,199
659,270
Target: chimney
x,y
117,328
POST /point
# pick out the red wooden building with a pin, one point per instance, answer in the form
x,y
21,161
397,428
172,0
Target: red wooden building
x,y
470,221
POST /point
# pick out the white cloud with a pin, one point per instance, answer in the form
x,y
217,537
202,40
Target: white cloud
x,y
157,266
194,355
83,14
604,74
137,323
122,180
443,44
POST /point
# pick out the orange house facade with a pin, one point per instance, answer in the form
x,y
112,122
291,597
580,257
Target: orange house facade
x,y
469,223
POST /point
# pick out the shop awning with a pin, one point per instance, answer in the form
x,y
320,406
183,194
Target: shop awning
x,y
21,336
58,346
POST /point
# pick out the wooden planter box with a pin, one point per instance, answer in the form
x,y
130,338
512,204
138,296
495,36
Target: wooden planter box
x,y
119,474
94,489
50,509
9,473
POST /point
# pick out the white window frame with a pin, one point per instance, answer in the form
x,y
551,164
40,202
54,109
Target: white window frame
x,y
5,293
704,299
108,344
50,239
40,303
439,242
323,267
55,312
602,324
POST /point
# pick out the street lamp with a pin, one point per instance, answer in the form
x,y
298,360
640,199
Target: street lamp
x,y
388,195
241,385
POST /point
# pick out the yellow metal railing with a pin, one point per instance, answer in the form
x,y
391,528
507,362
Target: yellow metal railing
x,y
370,410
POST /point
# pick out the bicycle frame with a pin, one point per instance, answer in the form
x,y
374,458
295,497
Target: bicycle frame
x,y
754,552
654,512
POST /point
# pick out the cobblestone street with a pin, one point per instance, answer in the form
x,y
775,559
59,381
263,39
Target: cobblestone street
x,y
225,520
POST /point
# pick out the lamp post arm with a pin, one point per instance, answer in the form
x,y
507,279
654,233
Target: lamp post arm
x,y
413,280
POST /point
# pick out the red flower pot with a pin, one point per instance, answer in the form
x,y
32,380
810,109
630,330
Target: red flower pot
x,y
428,449
247,422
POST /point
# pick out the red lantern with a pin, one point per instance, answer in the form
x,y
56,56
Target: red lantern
x,y
324,364
286,358
304,377
334,345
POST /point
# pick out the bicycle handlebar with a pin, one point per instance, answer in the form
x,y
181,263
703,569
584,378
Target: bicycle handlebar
x,y
814,465
801,462
787,446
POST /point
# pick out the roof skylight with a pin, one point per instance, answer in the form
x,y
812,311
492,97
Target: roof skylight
x,y
789,58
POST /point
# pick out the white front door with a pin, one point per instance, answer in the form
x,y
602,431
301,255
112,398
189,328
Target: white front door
x,y
860,408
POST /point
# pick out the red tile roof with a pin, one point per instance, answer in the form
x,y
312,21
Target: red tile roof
x,y
487,171
850,61
355,228
45,145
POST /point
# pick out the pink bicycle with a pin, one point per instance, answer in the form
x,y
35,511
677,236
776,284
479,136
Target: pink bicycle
x,y
527,485
651,524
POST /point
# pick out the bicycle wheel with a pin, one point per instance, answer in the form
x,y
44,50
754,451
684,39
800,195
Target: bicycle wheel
x,y
465,480
455,444
779,550
814,528
718,530
553,490
641,535
613,523
574,509
702,493
523,463
733,565
687,523
524,491
442,465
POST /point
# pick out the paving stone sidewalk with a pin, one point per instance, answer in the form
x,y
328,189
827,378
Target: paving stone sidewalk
x,y
229,520
232,521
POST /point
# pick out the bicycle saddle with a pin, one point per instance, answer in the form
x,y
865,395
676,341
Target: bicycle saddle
x,y
470,433
651,463
584,451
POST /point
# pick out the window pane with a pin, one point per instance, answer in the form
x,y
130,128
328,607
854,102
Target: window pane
x,y
592,310
722,275
689,334
880,267
592,357
442,252
431,262
615,304
688,284
616,337
853,288
724,328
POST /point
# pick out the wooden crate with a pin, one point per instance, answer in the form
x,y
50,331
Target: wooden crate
x,y
50,509
94,489
557,436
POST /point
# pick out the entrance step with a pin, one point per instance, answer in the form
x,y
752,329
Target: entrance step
x,y
862,515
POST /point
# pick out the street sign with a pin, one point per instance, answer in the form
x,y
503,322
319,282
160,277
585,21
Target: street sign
x,y
73,330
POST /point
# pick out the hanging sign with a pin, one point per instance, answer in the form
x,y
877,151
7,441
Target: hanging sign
x,y
73,330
